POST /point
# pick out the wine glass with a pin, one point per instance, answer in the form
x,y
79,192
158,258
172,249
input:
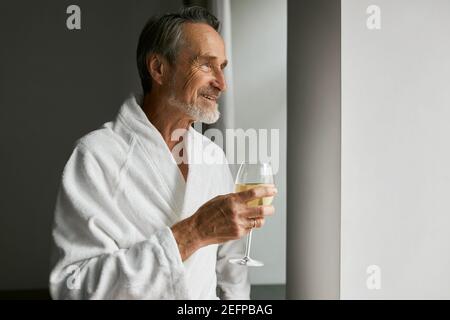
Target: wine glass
x,y
249,176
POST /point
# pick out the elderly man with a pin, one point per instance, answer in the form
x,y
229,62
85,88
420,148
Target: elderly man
x,y
130,221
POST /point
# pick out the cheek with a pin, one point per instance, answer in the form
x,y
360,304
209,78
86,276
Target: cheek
x,y
197,79
195,86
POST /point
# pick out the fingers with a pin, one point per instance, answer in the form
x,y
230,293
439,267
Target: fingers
x,y
255,223
268,190
259,211
259,222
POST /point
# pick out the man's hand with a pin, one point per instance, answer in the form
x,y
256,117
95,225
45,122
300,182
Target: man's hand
x,y
223,218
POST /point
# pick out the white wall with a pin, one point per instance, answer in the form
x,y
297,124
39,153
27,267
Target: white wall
x,y
395,149
259,66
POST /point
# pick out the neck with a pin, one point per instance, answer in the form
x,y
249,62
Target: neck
x,y
164,117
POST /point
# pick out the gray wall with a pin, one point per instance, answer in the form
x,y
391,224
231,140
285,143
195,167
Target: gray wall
x,y
395,150
259,73
55,86
313,148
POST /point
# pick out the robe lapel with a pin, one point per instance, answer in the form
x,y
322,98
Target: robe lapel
x,y
193,175
197,190
160,158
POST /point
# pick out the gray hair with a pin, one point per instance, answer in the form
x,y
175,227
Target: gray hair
x,y
162,35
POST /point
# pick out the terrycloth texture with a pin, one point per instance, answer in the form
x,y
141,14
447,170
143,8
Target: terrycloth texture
x,y
121,191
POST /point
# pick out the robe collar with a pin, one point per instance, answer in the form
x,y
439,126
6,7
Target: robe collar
x,y
160,157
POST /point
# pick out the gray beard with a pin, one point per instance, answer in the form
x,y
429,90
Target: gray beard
x,y
196,112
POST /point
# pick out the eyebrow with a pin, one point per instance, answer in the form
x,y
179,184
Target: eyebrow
x,y
209,57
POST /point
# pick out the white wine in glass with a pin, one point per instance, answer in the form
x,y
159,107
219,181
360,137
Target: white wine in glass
x,y
251,175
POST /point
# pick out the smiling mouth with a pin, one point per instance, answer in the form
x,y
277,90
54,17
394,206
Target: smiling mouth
x,y
211,98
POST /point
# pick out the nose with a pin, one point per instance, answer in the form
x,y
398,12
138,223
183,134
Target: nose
x,y
219,80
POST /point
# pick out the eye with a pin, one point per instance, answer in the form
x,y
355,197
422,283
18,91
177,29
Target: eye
x,y
205,67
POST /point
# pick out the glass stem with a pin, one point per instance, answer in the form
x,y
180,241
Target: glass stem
x,y
247,246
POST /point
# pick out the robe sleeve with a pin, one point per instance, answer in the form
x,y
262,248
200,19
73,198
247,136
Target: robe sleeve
x,y
87,262
232,280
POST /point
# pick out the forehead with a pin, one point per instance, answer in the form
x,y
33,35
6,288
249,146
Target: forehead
x,y
200,39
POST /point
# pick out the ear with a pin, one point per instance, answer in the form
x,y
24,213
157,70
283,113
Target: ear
x,y
156,68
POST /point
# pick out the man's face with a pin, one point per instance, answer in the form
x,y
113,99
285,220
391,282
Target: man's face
x,y
197,78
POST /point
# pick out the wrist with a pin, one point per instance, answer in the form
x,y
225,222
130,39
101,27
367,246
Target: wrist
x,y
187,236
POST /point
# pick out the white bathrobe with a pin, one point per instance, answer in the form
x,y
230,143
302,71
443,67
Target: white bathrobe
x,y
120,193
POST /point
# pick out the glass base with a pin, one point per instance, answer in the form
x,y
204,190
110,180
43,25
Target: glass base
x,y
246,261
